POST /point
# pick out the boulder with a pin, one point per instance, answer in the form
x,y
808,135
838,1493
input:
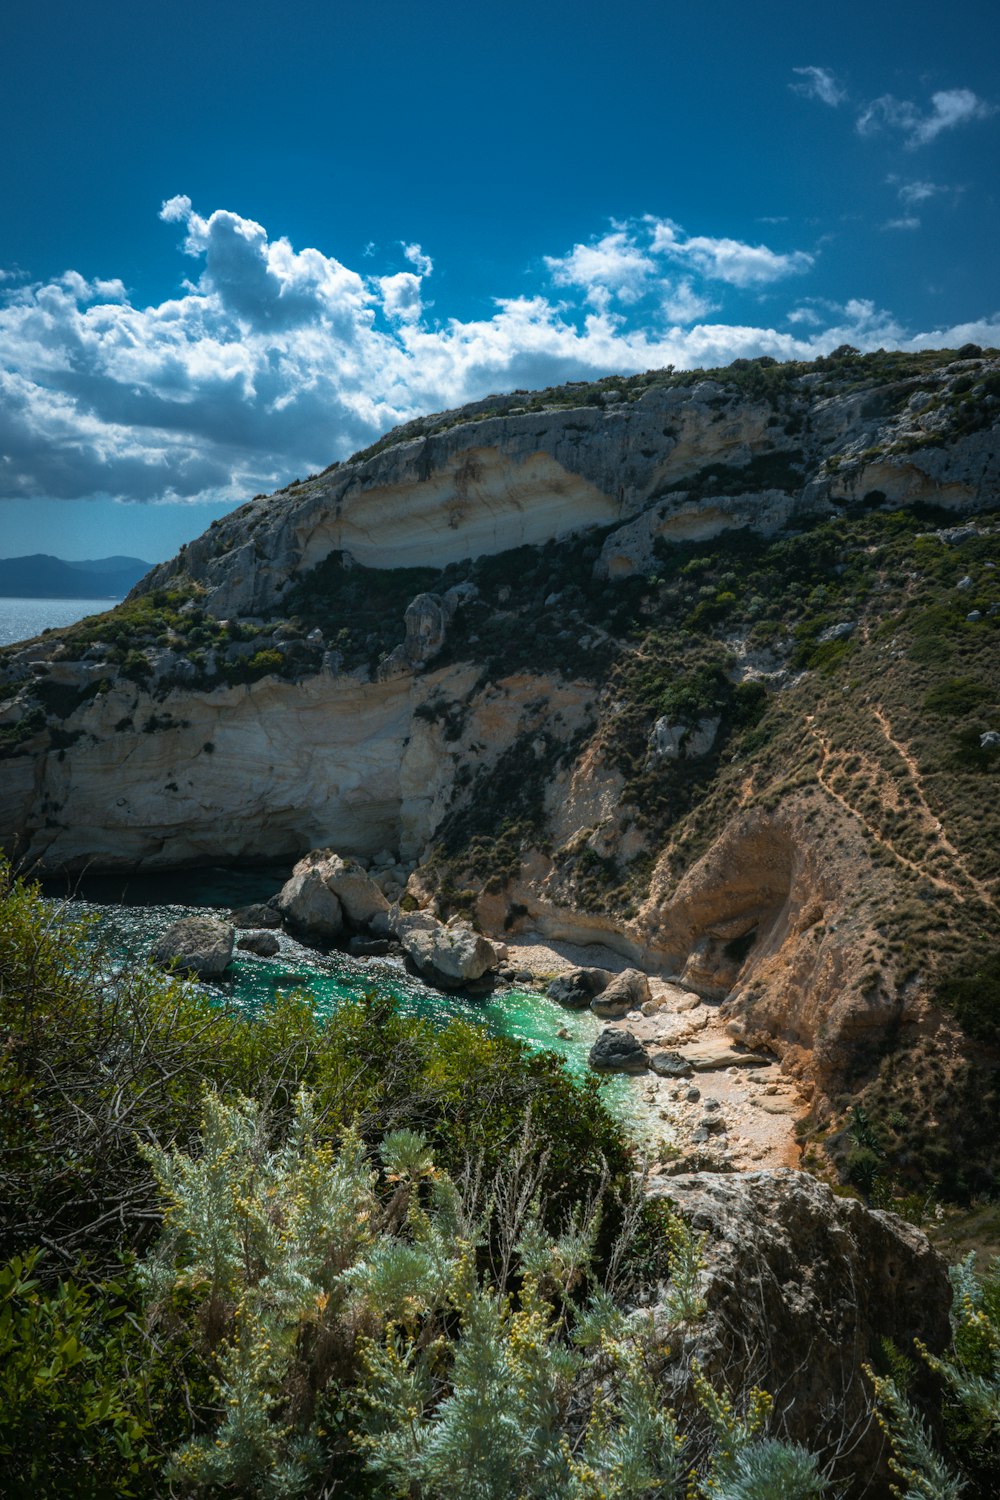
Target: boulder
x,y
627,991
260,914
357,893
450,957
670,1065
326,889
665,740
801,1287
370,947
309,906
701,738
576,988
263,944
617,1051
711,1057
201,946
425,621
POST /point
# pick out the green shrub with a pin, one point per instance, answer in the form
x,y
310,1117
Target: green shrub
x,y
74,1420
957,696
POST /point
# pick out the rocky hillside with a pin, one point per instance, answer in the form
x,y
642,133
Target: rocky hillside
x,y
702,666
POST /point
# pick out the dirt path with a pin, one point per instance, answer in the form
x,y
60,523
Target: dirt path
x,y
826,756
931,820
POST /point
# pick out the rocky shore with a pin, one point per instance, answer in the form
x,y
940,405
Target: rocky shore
x,y
700,1100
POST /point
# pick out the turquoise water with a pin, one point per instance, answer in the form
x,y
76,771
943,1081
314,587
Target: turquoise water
x,y
132,911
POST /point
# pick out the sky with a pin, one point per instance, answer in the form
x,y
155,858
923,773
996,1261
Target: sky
x,y
239,241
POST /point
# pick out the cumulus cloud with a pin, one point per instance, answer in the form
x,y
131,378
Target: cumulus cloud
x,y
272,361
819,83
731,261
682,304
401,295
949,108
614,266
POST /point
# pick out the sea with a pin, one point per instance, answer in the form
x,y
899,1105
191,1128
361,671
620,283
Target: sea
x,y
21,619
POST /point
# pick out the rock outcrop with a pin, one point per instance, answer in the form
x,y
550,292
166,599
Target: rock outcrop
x,y
308,905
327,892
800,1289
577,988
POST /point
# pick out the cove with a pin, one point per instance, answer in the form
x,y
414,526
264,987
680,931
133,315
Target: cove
x,y
129,911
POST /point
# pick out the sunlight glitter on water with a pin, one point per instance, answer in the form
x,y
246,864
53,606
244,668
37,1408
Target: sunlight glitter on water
x,y
130,912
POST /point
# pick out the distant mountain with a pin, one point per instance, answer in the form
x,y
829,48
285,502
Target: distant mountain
x,y
43,577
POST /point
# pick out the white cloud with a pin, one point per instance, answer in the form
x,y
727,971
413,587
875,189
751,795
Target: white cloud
x,y
731,261
908,221
911,193
273,361
819,83
401,295
614,266
682,304
421,262
949,108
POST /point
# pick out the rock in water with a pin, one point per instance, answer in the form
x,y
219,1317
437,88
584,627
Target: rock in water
x,y
627,991
309,906
264,944
618,1051
201,946
450,957
578,987
357,893
260,914
800,1287
356,896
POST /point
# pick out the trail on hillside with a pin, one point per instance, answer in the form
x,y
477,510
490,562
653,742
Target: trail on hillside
x,y
933,822
826,755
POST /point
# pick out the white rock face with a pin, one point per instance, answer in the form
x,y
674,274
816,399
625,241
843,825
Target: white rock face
x,y
682,518
478,488
668,741
275,767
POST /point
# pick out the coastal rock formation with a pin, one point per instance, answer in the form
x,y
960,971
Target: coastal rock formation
x,y
577,988
450,956
627,991
800,1289
308,904
263,944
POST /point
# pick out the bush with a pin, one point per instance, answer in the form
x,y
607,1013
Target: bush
x,y
73,1415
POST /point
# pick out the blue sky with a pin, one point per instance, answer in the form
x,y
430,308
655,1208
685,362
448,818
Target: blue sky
x,y
241,240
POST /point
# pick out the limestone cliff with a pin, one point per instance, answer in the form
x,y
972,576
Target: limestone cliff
x,y
701,668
